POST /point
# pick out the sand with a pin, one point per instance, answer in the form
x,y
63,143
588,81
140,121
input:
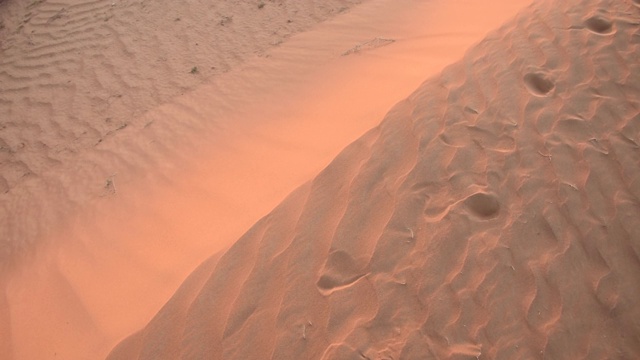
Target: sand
x,y
130,216
494,213
76,74
491,176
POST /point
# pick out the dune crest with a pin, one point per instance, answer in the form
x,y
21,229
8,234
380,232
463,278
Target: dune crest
x,y
493,214
141,209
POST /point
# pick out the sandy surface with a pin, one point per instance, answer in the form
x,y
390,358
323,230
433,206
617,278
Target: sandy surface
x,y
113,226
122,214
76,74
493,214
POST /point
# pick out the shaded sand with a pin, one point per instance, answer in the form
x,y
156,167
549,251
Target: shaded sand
x,y
493,214
186,179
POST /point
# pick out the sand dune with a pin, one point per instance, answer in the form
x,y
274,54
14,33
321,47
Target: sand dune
x,y
67,121
187,178
77,79
492,214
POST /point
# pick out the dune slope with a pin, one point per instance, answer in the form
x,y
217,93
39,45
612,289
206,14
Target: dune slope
x,y
493,214
139,210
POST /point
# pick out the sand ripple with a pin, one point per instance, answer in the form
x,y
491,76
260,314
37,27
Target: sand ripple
x,y
493,214
74,74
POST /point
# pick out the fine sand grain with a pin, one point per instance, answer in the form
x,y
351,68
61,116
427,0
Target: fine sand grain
x,y
494,213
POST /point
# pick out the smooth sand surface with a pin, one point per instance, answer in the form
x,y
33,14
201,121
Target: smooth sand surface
x,y
494,213
112,199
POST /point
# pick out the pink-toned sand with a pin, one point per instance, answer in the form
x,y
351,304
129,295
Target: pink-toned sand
x,y
493,214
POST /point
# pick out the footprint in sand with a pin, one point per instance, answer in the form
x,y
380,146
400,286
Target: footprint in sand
x,y
483,205
340,272
599,25
538,84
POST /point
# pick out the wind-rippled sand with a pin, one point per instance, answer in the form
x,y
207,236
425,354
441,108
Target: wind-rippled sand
x,y
76,73
492,214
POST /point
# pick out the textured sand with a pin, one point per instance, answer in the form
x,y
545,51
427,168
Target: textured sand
x,y
74,74
187,178
77,82
493,214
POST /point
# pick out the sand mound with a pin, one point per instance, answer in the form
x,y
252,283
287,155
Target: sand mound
x,y
493,214
187,178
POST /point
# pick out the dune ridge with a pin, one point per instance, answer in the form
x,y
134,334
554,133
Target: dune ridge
x,y
183,181
493,214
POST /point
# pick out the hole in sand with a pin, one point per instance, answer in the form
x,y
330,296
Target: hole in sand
x,y
340,271
599,25
483,205
538,84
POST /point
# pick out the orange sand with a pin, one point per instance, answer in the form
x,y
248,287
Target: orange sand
x,y
113,227
495,213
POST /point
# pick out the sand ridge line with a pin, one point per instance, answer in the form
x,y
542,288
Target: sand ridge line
x,y
159,224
